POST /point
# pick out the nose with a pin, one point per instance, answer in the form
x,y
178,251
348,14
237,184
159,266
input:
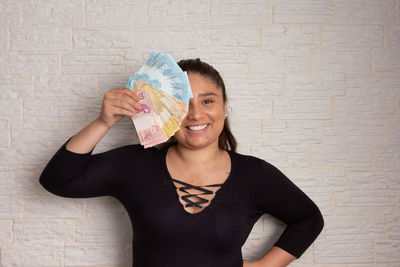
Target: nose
x,y
194,112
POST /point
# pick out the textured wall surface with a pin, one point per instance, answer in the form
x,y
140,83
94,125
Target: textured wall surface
x,y
313,88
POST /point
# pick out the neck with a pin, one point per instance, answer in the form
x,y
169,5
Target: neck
x,y
198,157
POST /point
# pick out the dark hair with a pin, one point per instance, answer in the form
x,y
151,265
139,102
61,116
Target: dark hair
x,y
226,140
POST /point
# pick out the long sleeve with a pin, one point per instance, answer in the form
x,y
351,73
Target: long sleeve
x,y
281,198
75,175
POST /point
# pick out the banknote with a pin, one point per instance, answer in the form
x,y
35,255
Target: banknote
x,y
160,115
148,125
165,92
161,71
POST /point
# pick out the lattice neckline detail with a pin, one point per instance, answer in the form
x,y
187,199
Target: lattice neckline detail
x,y
187,197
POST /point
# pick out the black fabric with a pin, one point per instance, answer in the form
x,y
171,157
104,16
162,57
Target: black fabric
x,y
164,233
190,198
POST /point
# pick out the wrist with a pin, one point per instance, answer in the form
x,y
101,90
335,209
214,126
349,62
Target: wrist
x,y
101,123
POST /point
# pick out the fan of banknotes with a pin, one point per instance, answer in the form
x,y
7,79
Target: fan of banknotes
x,y
164,91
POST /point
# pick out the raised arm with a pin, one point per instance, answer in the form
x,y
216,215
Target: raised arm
x,y
73,171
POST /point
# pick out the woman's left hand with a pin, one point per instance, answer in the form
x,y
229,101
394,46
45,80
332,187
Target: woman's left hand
x,y
250,263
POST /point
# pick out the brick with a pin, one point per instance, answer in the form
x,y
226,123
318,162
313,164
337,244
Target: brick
x,y
66,86
93,61
268,84
288,143
349,239
43,232
351,37
98,254
279,60
50,206
387,59
99,231
372,85
338,60
318,85
347,144
373,179
29,63
361,228
3,38
34,152
54,109
365,107
307,108
87,38
304,11
290,37
120,134
93,109
164,37
387,251
4,135
17,184
351,155
392,36
320,185
393,225
250,88
392,132
134,59
16,87
374,201
5,231
365,12
124,12
10,110
8,159
39,255
105,207
225,36
375,265
246,133
107,82
178,12
40,39
10,207
368,96
347,133
230,59
53,12
9,13
236,11
387,156
252,248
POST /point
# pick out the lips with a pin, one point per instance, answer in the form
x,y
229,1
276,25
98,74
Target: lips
x,y
197,128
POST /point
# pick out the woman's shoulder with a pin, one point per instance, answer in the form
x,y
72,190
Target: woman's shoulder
x,y
249,160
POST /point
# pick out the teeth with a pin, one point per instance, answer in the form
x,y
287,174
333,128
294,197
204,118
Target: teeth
x,y
197,128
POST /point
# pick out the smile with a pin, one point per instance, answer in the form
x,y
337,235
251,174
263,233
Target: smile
x,y
197,127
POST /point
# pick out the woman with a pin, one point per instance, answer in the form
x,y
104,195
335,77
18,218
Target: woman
x,y
194,200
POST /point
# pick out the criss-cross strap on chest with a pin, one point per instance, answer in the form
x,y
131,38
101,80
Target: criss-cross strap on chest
x,y
204,191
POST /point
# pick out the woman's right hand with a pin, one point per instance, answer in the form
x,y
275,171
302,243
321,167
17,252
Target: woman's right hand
x,y
117,103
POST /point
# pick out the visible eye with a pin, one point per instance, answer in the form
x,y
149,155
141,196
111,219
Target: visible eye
x,y
208,101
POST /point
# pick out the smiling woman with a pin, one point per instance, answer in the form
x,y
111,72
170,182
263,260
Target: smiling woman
x,y
193,200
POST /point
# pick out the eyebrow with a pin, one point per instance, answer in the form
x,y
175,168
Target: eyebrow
x,y
208,94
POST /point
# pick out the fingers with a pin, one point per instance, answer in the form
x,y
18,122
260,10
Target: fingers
x,y
123,98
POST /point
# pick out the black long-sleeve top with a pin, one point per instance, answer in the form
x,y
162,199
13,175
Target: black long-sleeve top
x,y
164,233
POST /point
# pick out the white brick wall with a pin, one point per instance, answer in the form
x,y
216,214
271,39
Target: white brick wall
x,y
313,88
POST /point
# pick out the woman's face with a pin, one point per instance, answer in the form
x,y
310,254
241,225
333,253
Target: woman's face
x,y
205,120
